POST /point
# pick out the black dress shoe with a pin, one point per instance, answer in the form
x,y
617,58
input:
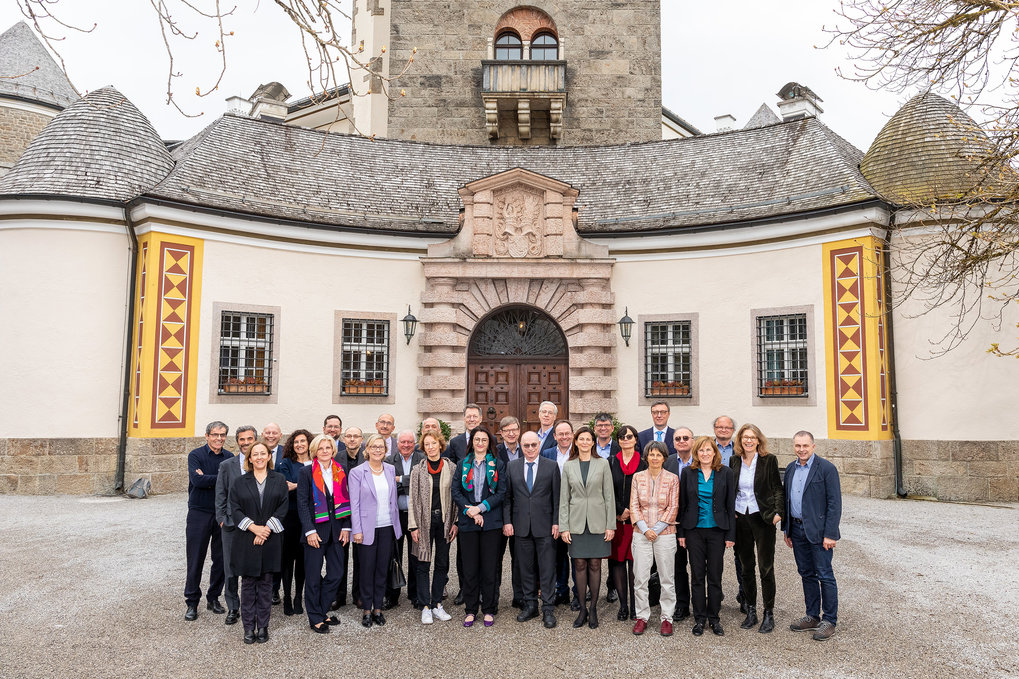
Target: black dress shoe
x,y
717,628
698,629
623,613
262,635
378,618
592,618
518,603
575,604
581,619
191,613
561,599
288,605
332,620
337,604
528,613
612,596
548,619
321,629
249,636
366,620
683,615
751,620
232,616
215,607
458,600
298,605
276,599
389,604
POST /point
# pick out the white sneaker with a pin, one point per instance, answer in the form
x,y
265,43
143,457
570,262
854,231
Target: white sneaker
x,y
439,613
426,616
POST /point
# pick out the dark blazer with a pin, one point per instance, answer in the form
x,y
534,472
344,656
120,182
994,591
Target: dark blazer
x,y
347,462
277,456
326,530
621,482
500,452
457,448
549,441
463,498
767,485
822,501
723,502
535,511
229,471
291,471
648,435
403,485
613,447
672,463
247,558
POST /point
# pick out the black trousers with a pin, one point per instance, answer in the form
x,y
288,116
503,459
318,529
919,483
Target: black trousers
x,y
319,590
349,555
480,550
375,567
256,600
753,531
293,556
563,565
542,550
706,549
682,579
432,597
518,591
200,530
411,570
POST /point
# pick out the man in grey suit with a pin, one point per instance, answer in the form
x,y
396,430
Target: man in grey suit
x,y
228,471
531,515
404,458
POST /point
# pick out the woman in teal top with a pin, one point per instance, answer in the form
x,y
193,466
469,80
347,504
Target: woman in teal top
x,y
707,526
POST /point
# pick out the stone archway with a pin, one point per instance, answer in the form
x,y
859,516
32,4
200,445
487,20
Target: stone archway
x,y
486,267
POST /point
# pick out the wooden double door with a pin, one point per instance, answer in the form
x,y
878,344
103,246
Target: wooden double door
x,y
517,387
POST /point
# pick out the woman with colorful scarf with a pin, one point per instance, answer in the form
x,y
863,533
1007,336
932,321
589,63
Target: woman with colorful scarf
x,y
324,508
479,487
431,520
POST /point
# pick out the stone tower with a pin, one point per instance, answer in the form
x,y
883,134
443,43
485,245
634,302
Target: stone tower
x,y
493,72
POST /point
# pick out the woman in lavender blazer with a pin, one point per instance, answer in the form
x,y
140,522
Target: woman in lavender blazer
x,y
375,525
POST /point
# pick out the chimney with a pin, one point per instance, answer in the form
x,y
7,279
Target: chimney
x,y
270,102
724,122
238,105
796,101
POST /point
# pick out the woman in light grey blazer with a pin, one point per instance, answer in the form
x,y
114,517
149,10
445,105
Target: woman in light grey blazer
x,y
587,519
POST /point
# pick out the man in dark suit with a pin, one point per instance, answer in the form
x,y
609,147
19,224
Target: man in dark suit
x,y
661,431
531,516
404,459
271,434
457,448
547,413
230,470
201,528
507,451
811,526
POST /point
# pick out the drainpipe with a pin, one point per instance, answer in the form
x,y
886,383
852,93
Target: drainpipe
x,y
893,398
132,286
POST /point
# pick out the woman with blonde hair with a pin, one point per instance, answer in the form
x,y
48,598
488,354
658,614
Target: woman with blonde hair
x,y
431,521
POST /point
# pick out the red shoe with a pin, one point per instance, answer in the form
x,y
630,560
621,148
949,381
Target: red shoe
x,y
666,628
639,626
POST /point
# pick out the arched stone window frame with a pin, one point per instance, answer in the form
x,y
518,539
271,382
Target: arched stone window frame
x,y
507,42
551,50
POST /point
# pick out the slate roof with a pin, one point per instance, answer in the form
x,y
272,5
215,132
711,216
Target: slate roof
x,y
101,147
273,170
931,151
763,116
28,70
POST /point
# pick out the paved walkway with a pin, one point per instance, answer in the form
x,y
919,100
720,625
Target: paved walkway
x,y
92,587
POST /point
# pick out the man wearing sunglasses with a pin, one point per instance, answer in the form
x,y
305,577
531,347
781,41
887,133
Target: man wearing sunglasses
x,y
682,441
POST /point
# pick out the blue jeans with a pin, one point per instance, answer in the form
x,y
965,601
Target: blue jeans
x,y
813,562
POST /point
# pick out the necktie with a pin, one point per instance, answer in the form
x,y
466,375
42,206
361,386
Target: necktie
x,y
530,476
658,436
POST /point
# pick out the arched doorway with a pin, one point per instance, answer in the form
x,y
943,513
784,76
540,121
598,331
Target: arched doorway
x,y
516,359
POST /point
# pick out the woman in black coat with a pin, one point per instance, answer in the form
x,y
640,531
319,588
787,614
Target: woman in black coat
x,y
707,525
258,503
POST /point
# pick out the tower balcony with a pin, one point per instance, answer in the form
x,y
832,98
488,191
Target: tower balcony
x,y
523,86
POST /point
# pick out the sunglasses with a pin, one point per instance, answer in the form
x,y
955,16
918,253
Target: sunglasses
x,y
627,437
682,438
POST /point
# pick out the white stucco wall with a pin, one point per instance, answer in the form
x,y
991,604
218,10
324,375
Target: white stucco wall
x,y
63,301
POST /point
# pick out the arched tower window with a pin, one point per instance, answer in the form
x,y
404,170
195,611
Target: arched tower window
x,y
544,47
508,46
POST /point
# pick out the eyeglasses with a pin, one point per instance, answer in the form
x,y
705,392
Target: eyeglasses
x,y
528,445
510,430
749,438
217,436
682,438
626,437
722,427
659,412
377,447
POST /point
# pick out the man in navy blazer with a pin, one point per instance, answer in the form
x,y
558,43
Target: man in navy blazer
x,y
811,527
547,413
661,431
457,448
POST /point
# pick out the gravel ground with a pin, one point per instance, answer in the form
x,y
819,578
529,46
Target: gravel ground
x,y
93,587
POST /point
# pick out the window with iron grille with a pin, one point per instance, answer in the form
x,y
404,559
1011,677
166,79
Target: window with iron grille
x,y
782,355
365,362
667,359
245,353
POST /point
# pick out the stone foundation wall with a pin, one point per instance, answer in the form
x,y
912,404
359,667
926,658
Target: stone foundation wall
x,y
164,462
866,468
85,466
975,471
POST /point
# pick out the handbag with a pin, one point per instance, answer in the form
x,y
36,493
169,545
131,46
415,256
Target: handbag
x,y
395,579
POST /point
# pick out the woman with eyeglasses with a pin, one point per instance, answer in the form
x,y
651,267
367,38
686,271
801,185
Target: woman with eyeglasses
x,y
760,499
375,525
623,465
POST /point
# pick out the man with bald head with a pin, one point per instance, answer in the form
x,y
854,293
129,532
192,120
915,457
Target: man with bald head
x,y
271,434
404,459
385,426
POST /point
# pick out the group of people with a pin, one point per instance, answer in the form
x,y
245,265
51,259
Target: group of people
x,y
561,500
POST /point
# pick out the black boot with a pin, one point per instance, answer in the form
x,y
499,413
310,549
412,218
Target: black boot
x,y
751,618
592,616
288,604
298,604
624,612
249,636
768,623
742,601
581,619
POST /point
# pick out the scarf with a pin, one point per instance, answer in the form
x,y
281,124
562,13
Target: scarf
x,y
467,476
341,503
436,470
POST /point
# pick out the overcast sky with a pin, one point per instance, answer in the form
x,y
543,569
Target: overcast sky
x,y
716,58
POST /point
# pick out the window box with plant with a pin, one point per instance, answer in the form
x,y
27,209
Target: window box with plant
x,y
671,388
363,387
783,388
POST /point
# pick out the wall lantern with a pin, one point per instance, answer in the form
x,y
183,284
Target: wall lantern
x,y
626,326
410,325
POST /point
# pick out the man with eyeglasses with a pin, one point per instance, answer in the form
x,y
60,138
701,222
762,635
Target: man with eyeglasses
x,y
385,426
604,444
547,412
725,427
682,441
201,527
507,451
661,431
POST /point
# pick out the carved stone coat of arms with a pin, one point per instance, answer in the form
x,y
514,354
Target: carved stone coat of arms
x,y
519,223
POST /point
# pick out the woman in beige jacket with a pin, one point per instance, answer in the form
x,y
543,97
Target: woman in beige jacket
x,y
431,522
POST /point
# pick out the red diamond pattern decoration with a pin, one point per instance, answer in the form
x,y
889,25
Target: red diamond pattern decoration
x,y
172,356
850,350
